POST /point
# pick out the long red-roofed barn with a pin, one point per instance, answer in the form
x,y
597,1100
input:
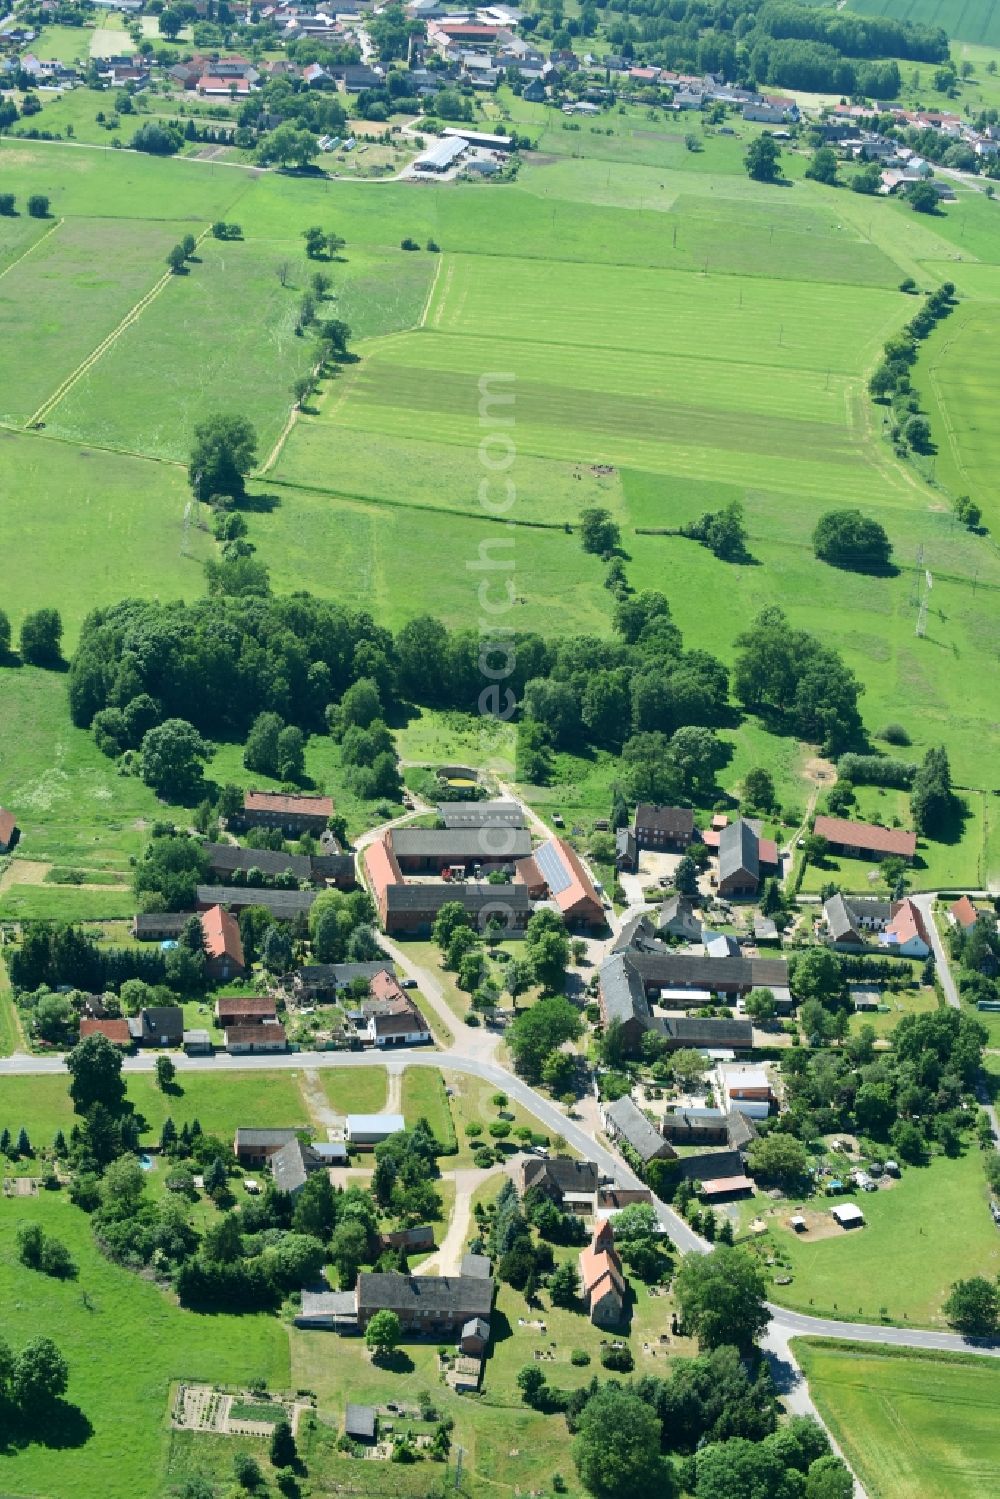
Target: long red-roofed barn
x,y
865,840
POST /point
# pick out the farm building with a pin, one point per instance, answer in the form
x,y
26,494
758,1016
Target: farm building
x,y
626,851
724,1188
392,1017
225,859
360,1423
365,1131
476,1264
480,138
116,1031
848,1215
424,1303
433,850
569,884
223,945
198,1043
623,1121
256,1040
160,926
490,814
410,907
569,1183
623,1000
864,839
294,815
248,1010
284,905
442,155
684,1031
744,859
474,1337
252,1147
663,827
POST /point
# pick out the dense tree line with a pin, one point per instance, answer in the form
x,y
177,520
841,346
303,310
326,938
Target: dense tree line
x,y
794,677
782,43
891,380
50,955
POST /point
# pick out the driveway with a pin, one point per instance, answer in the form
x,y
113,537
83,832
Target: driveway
x,y
447,1258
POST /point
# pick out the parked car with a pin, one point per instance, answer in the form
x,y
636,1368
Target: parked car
x,y
407,983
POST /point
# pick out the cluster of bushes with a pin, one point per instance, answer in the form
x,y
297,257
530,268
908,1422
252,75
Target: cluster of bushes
x,y
876,770
38,205
890,380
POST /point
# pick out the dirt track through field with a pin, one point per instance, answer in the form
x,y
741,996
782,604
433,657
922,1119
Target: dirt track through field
x,y
112,338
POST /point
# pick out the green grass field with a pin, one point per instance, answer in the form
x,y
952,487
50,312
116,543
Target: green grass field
x,y
355,1090
929,1229
125,1341
912,1426
968,20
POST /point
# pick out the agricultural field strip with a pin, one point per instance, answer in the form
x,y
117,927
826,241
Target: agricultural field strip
x,y
51,228
665,311
108,342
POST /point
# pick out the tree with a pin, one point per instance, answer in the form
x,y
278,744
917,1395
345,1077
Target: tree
x,y
829,1478
741,1469
760,1005
617,1448
817,973
932,800
449,918
761,159
848,539
686,876
778,1157
599,532
316,241
171,23
40,1375
758,788
917,431
722,1297
261,750
538,1032
288,145
823,166
922,198
383,1333
547,947
348,1248
223,453
283,1452
531,1382
247,1472
177,260
38,206
276,954
292,754
41,637
30,1239
165,1073
95,1067
172,756
973,1307
564,1285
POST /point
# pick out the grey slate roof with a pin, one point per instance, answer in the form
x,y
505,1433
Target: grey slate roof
x,y
675,822
359,1421
288,1166
167,923
635,1129
283,905
226,857
622,993
695,1031
339,975
263,1139
738,850
678,913
560,1171
670,969
477,1265
637,928
465,845
430,897
162,1020
457,1296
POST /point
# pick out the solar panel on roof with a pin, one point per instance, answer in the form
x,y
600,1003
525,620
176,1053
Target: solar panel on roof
x,y
557,876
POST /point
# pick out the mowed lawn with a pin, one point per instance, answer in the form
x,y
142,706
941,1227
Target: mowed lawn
x,y
125,1340
912,1426
962,364
931,1228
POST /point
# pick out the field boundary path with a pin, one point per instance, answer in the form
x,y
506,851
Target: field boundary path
x,y
32,247
132,316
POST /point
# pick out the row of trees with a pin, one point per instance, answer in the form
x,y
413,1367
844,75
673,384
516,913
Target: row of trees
x,y
40,638
891,383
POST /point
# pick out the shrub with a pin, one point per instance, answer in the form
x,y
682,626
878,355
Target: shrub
x,y
580,1357
409,244
894,733
618,1358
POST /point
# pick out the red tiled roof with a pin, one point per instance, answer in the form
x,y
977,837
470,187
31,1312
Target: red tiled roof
x,y
208,83
253,1034
7,825
527,872
222,935
866,836
580,887
964,912
384,986
710,837
722,1184
250,1006
907,922
115,1030
767,851
600,1265
382,867
273,801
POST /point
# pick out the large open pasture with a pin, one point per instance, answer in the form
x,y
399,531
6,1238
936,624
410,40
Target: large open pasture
x,y
913,1426
968,20
679,337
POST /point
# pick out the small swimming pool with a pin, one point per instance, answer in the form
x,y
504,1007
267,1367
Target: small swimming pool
x,y
146,1162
